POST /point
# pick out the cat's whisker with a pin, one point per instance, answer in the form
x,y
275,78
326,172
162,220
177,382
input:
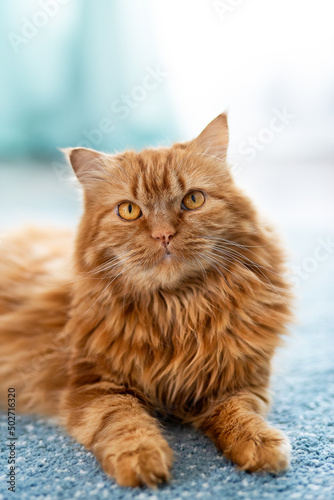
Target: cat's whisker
x,y
258,267
122,260
118,265
238,255
205,257
205,274
225,244
200,255
233,251
212,258
90,274
234,254
233,259
234,242
129,280
80,276
269,284
110,280
228,270
105,264
107,286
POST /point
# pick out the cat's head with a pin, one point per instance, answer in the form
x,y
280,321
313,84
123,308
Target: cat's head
x,y
156,218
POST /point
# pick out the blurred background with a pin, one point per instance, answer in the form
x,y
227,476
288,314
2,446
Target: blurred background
x,y
116,74
123,74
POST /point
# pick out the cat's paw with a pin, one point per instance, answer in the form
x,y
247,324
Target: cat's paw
x,y
269,450
147,465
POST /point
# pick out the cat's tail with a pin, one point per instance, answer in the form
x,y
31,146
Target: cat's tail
x,y
34,302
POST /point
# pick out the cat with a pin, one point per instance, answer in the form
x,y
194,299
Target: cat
x,y
170,300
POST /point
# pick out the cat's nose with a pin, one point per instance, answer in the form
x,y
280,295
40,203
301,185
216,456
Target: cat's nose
x,y
164,235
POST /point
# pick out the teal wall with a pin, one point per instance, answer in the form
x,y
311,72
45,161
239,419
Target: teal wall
x,y
78,72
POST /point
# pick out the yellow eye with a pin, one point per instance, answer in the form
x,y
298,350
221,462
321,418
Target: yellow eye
x,y
194,199
129,211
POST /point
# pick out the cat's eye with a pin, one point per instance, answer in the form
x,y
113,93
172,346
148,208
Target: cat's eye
x,y
193,200
129,211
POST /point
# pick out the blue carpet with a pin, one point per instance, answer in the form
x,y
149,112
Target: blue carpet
x,y
50,465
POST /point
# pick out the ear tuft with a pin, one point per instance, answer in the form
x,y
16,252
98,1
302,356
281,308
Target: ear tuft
x,y
214,138
85,163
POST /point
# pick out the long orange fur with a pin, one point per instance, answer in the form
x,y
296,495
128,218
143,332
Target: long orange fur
x,y
119,332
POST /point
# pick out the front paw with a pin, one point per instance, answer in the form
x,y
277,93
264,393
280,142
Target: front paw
x,y
269,450
147,464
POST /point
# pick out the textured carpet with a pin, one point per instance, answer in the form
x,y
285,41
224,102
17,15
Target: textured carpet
x,y
51,465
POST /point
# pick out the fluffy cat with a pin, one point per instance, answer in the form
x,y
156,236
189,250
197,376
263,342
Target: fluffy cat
x,y
173,303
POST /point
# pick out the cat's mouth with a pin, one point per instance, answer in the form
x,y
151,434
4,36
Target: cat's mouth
x,y
167,255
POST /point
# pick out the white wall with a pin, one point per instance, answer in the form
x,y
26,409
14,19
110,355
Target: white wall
x,y
250,56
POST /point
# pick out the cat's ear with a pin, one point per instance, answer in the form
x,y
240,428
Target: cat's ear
x,y
214,138
87,164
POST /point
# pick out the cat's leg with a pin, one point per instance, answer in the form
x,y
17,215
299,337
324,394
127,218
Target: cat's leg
x,y
119,430
239,431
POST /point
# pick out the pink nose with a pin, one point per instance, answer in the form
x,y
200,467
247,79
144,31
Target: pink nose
x,y
163,235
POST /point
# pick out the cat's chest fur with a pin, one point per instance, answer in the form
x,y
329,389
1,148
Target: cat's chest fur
x,y
177,350
173,368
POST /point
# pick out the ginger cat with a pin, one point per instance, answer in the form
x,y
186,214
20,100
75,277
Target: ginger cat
x,y
171,300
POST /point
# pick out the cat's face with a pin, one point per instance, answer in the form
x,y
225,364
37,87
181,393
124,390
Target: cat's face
x,y
153,219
